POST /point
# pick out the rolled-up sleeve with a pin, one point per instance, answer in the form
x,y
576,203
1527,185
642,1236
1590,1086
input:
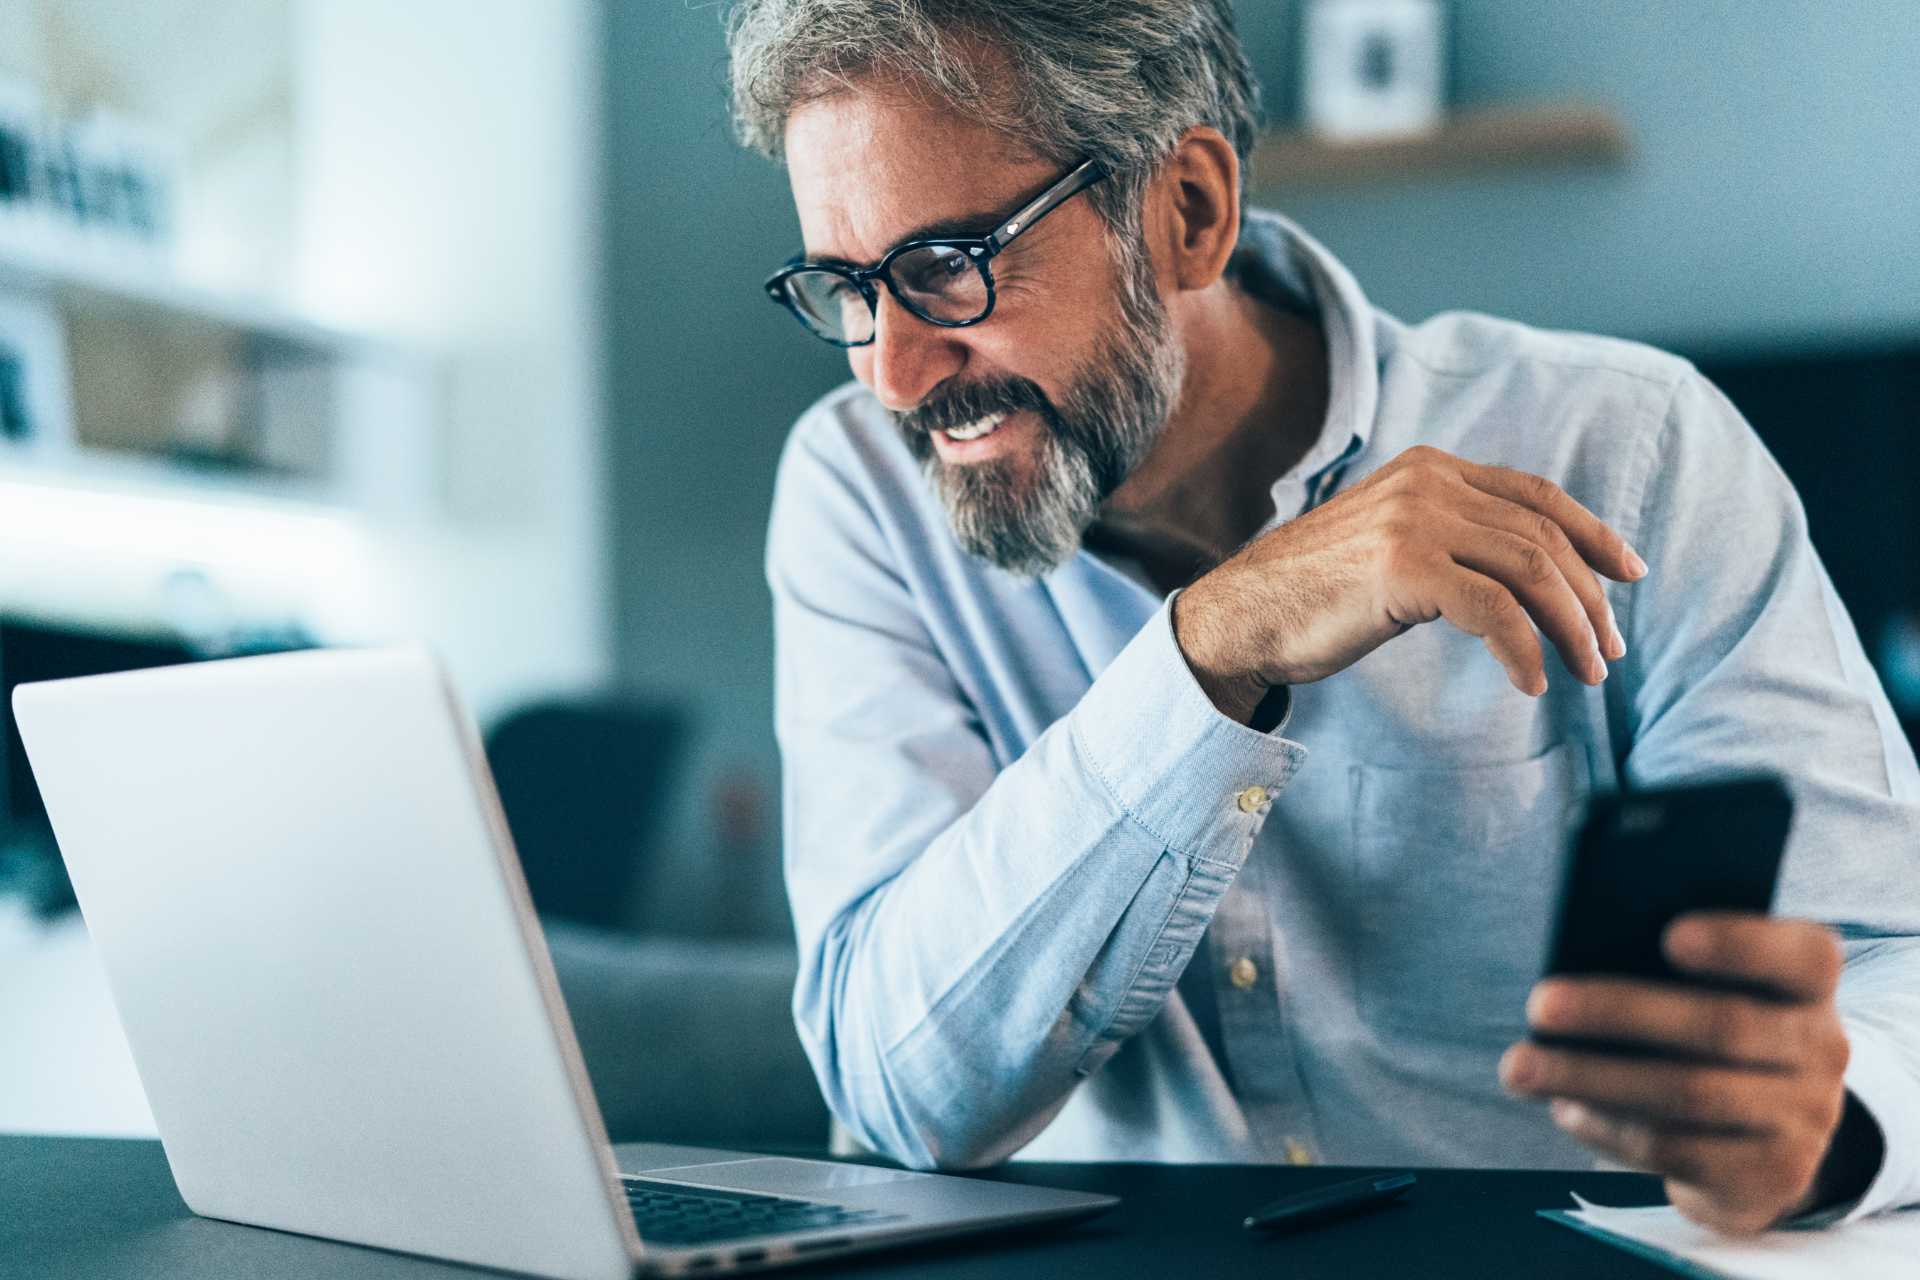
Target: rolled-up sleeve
x,y
1742,658
974,939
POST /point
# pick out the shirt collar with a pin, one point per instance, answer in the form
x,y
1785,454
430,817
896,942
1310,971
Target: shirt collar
x,y
1282,265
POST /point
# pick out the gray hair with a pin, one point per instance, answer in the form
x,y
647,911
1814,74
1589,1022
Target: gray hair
x,y
1118,81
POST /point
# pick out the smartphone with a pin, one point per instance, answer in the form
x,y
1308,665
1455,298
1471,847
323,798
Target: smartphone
x,y
1647,857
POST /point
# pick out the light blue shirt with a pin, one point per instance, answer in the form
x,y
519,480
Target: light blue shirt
x,y
1050,902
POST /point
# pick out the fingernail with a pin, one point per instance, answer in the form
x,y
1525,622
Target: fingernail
x,y
1636,564
1567,1113
1518,1070
1615,641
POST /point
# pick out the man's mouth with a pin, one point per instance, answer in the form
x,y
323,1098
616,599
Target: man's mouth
x,y
977,429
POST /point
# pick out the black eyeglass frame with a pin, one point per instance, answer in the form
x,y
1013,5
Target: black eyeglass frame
x,y
980,251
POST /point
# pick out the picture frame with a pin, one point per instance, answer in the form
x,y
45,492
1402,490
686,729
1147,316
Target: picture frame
x,y
1374,68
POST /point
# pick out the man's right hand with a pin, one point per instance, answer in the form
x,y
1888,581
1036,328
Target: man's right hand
x,y
1492,550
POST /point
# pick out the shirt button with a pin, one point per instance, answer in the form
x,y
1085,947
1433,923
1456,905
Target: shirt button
x,y
1244,973
1251,799
1297,1152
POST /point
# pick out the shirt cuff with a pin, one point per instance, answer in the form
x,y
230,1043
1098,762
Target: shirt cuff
x,y
1199,782
1275,709
1877,1076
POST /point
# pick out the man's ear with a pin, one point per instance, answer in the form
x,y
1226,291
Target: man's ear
x,y
1199,196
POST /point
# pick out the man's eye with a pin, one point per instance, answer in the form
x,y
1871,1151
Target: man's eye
x,y
932,270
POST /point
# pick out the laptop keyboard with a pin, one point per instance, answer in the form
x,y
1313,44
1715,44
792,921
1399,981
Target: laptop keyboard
x,y
668,1213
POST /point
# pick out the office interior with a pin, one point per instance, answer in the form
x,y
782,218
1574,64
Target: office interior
x,y
441,323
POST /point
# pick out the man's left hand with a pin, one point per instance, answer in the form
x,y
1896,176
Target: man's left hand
x,y
1740,1113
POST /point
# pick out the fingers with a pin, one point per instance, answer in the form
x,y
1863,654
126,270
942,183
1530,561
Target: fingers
x,y
1674,1153
1698,1096
1537,579
1797,959
1740,1124
1526,534
1483,508
1735,1184
1596,542
1482,607
1716,1026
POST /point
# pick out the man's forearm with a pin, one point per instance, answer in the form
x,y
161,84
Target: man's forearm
x,y
950,1008
1001,1041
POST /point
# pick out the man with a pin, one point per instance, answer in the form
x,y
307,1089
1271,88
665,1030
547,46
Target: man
x,y
1150,793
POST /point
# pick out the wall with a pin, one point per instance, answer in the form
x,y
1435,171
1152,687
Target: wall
x,y
1773,195
448,194
704,377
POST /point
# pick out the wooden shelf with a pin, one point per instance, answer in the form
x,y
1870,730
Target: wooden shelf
x,y
1471,142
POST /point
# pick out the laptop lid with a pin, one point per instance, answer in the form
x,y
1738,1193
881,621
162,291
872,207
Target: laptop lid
x,y
301,888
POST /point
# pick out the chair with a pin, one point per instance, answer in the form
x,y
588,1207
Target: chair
x,y
584,783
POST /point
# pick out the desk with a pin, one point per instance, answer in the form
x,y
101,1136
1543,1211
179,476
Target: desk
x,y
95,1208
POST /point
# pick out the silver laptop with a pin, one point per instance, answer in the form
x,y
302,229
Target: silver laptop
x,y
298,878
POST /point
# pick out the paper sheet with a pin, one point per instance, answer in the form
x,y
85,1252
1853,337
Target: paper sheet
x,y
1885,1247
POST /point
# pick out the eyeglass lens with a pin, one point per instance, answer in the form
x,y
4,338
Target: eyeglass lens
x,y
936,282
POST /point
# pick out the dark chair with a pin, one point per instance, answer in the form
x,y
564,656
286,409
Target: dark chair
x,y
584,784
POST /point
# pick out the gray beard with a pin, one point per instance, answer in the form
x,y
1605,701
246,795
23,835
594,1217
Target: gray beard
x,y
1030,520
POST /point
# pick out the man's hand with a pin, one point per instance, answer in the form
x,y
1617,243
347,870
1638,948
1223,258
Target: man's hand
x,y
1741,1112
1493,550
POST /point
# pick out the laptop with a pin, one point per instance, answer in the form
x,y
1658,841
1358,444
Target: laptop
x,y
300,884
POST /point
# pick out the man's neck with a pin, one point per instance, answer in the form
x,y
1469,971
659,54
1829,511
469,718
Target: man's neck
x,y
1254,402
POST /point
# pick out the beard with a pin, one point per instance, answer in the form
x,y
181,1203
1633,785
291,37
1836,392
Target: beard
x,y
1028,515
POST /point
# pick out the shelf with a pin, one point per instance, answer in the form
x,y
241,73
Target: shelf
x,y
129,544
142,370
1471,142
122,279
103,472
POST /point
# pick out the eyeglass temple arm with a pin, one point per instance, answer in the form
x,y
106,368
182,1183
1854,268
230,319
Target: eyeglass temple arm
x,y
1083,176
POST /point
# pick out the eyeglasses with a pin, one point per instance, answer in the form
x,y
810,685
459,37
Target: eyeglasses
x,y
944,281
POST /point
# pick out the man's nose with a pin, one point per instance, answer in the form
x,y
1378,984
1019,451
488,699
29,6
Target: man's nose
x,y
908,357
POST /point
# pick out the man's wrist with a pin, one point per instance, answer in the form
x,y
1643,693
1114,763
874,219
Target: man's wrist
x,y
1235,693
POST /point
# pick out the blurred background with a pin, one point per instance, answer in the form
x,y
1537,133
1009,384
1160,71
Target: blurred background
x,y
335,322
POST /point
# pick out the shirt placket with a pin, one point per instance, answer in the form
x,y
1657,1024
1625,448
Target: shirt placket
x,y
1253,1002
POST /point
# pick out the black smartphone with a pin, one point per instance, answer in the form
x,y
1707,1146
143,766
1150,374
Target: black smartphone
x,y
1647,857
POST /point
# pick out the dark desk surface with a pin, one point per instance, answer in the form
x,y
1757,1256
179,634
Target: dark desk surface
x,y
72,1207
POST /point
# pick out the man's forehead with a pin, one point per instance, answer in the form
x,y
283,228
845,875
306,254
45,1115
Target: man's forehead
x,y
869,168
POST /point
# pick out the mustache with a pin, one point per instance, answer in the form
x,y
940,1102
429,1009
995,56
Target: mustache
x,y
971,403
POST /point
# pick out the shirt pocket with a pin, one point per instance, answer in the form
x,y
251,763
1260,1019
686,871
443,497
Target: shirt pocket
x,y
1457,872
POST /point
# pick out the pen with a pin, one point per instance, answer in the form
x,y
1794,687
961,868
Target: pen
x,y
1324,1204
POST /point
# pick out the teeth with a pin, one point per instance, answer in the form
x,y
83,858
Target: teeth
x,y
974,430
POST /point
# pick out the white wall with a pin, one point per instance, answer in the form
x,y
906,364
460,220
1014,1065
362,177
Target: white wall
x,y
448,193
